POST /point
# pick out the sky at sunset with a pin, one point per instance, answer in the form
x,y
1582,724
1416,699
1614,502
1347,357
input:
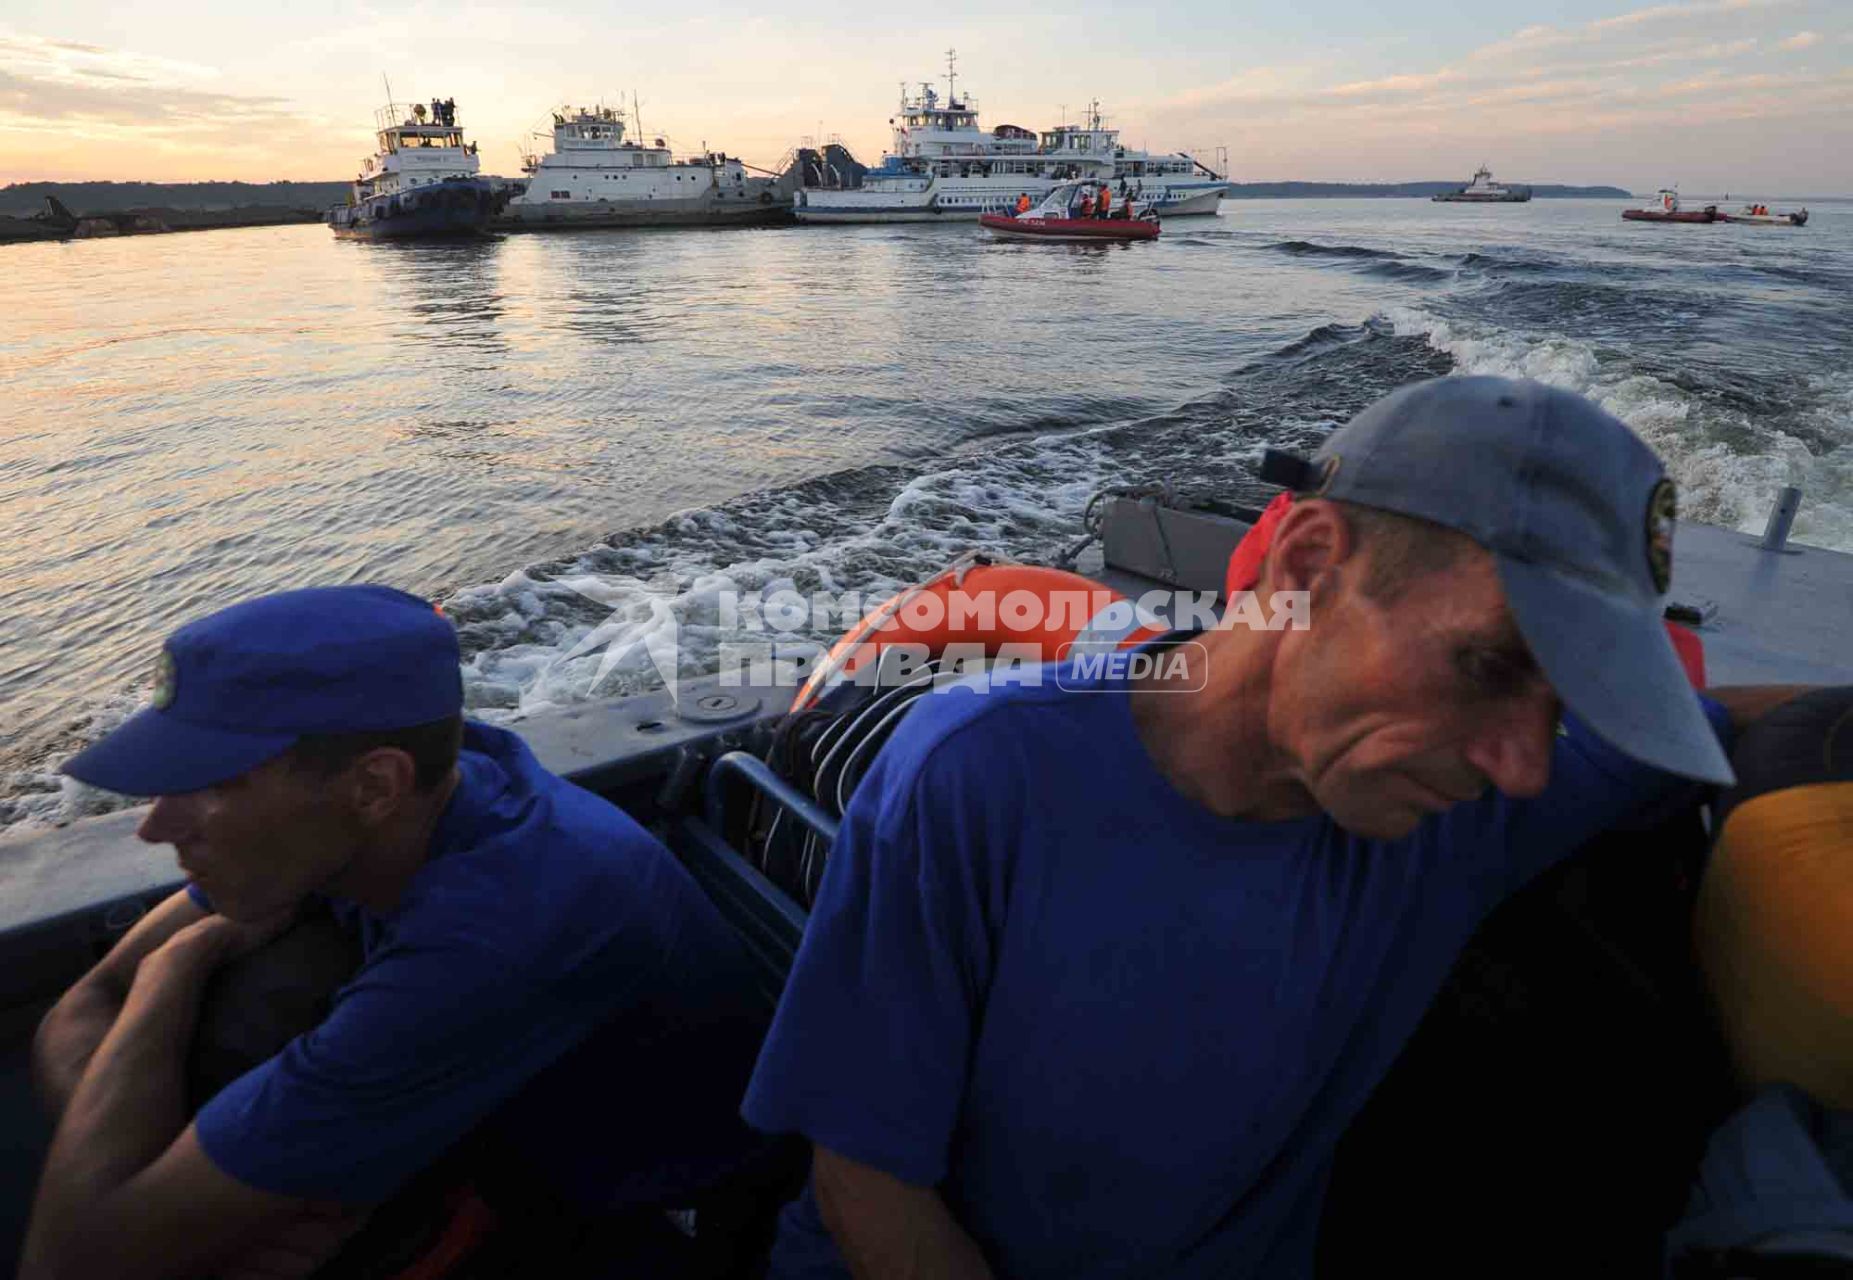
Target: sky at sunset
x,y
1739,95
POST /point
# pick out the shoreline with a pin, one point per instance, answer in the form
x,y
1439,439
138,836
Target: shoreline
x,y
109,226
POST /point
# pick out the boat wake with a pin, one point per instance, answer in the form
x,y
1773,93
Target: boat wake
x,y
593,625
1729,449
1307,249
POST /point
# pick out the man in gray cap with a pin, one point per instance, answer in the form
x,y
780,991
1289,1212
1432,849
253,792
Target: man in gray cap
x,y
1101,969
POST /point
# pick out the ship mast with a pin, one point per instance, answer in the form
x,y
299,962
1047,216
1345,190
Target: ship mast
x,y
952,77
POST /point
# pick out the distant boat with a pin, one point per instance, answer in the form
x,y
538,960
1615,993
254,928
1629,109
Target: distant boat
x,y
1761,215
943,166
596,177
1665,208
422,181
1483,190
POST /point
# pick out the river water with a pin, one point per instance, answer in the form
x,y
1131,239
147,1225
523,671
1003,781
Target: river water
x,y
573,438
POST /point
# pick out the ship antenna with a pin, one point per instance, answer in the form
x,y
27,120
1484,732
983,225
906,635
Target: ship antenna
x,y
952,77
388,84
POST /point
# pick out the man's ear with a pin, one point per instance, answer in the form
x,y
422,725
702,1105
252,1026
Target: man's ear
x,y
381,779
1311,542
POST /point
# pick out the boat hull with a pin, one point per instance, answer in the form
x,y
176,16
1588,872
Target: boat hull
x,y
879,213
1766,219
1071,230
450,208
1458,197
757,202
968,205
643,213
1660,215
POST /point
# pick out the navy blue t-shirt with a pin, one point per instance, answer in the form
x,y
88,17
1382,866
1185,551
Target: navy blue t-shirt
x,y
550,965
1121,1034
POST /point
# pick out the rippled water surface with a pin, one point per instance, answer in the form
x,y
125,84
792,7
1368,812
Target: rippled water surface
x,y
571,438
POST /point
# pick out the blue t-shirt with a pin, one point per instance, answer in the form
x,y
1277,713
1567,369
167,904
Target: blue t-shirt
x,y
1121,1034
552,968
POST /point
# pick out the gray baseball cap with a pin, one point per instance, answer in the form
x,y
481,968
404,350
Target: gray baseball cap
x,y
1579,514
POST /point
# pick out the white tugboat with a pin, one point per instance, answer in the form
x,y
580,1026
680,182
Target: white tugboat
x,y
943,165
596,177
1483,190
423,181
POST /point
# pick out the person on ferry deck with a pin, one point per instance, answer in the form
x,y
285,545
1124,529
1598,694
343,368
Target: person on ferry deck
x,y
535,966
1101,968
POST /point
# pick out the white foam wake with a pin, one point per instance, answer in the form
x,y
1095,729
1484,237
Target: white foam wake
x,y
1728,465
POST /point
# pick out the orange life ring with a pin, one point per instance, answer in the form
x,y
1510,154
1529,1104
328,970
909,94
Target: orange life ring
x,y
987,605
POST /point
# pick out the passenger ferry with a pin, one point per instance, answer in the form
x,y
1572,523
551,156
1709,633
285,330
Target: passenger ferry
x,y
943,165
423,181
596,177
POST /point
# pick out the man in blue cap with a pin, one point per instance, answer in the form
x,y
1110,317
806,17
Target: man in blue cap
x,y
1101,969
536,966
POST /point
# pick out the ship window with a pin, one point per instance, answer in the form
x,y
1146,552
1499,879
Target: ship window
x,y
562,195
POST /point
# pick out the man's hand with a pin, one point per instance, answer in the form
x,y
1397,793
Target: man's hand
x,y
74,1027
126,1190
216,939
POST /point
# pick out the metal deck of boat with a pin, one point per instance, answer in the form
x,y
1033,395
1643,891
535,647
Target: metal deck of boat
x,y
1771,617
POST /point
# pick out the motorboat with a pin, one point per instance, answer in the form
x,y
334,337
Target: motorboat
x,y
1563,1022
1761,215
1059,217
1666,209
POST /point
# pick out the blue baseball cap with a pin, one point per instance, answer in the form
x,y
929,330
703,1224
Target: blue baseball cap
x,y
241,686
1578,513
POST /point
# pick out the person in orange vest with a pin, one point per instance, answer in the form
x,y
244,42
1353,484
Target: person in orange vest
x,y
1087,204
1104,206
1022,203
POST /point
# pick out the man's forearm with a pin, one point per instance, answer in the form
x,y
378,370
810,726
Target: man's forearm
x,y
67,1039
70,1033
131,1102
887,1229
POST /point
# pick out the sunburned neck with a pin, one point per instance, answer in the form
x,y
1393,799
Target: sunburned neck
x,y
1208,735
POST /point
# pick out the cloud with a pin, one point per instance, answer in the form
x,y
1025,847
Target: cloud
x,y
60,98
1800,40
1392,85
1553,92
134,104
68,62
1663,12
1537,39
1686,49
